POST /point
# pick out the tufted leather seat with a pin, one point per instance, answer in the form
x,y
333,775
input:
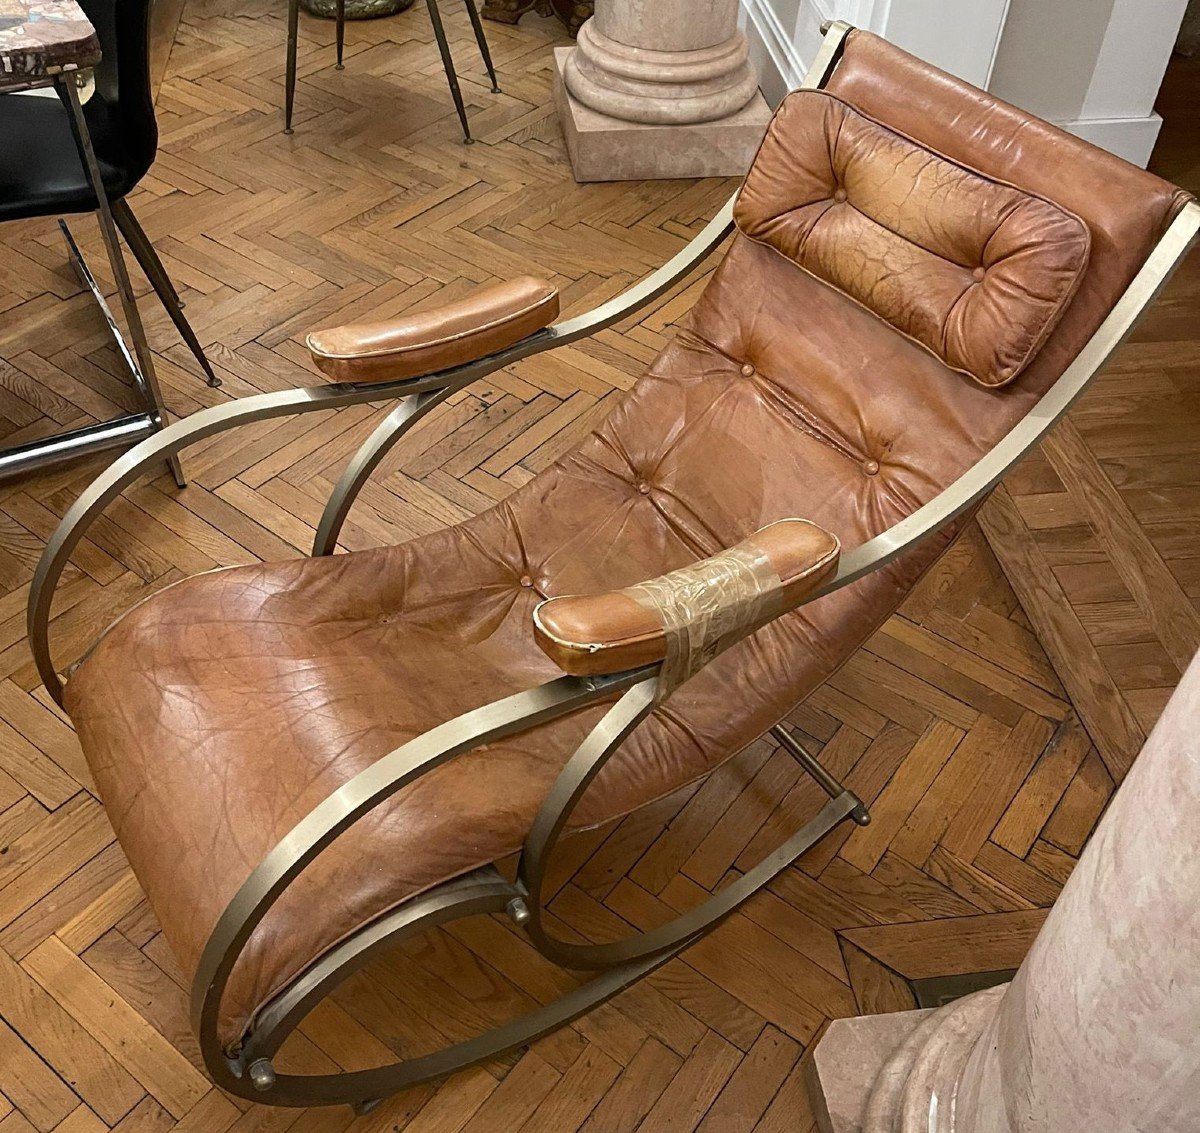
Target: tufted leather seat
x,y
843,365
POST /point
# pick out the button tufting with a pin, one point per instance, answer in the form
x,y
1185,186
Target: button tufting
x,y
839,195
871,467
643,487
979,272
747,370
526,580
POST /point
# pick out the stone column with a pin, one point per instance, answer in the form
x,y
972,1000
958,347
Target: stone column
x,y
1100,1030
659,88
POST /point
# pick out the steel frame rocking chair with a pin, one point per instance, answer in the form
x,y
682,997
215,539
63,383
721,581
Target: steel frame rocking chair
x,y
1050,317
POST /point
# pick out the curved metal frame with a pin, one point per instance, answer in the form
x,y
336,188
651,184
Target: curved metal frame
x,y
304,842
248,1070
179,435
366,459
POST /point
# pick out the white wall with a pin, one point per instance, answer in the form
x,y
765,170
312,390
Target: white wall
x,y
959,36
1094,66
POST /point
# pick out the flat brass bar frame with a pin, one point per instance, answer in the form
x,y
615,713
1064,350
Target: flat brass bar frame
x,y
133,464
318,829
248,1071
364,462
573,781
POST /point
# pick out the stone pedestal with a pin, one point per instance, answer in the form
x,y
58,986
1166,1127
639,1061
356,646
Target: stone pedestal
x,y
1100,1029
659,88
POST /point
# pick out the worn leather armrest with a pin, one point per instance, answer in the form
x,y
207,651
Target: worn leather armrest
x,y
592,634
488,319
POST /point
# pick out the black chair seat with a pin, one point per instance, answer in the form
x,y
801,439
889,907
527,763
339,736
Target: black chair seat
x,y
41,173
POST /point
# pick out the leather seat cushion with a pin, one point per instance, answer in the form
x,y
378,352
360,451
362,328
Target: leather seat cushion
x,y
975,270
217,714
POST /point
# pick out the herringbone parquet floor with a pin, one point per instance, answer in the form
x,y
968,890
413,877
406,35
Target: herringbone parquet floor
x,y
987,722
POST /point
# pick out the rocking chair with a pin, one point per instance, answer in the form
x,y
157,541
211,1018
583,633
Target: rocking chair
x,y
308,762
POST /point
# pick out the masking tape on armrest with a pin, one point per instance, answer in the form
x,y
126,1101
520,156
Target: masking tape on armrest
x,y
707,607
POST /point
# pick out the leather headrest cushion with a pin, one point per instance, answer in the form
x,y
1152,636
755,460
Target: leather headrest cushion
x,y
975,270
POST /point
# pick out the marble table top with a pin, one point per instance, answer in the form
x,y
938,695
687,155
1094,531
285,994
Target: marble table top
x,y
39,38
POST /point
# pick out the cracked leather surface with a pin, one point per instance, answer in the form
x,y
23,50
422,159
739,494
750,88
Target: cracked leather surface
x,y
216,715
976,271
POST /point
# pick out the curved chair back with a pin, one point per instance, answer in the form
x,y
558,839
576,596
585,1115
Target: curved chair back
x,y
121,113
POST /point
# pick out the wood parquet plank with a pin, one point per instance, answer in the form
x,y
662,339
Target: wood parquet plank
x,y
988,722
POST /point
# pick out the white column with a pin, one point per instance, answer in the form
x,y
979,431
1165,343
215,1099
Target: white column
x,y
1098,1031
1091,66
659,88
960,37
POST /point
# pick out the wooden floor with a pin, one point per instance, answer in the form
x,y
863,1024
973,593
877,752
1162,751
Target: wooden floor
x,y
987,722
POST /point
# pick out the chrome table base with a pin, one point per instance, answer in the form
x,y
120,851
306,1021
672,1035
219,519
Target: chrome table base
x,y
128,429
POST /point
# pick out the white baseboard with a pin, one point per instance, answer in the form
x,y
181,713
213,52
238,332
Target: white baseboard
x,y
782,54
1130,138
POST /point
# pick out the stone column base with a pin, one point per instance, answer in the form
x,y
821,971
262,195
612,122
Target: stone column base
x,y
609,149
895,1073
841,1070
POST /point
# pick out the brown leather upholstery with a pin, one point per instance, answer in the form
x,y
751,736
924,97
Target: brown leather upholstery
x,y
488,319
976,271
587,634
216,715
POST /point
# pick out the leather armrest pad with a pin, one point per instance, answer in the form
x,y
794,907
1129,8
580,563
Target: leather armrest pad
x,y
488,319
591,634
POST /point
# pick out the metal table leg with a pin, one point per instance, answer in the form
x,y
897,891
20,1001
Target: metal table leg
x,y
142,362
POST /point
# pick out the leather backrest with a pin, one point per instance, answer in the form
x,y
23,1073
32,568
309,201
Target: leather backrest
x,y
974,270
782,396
1126,209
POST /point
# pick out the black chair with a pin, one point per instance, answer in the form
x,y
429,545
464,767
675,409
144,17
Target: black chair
x,y
40,170
435,17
